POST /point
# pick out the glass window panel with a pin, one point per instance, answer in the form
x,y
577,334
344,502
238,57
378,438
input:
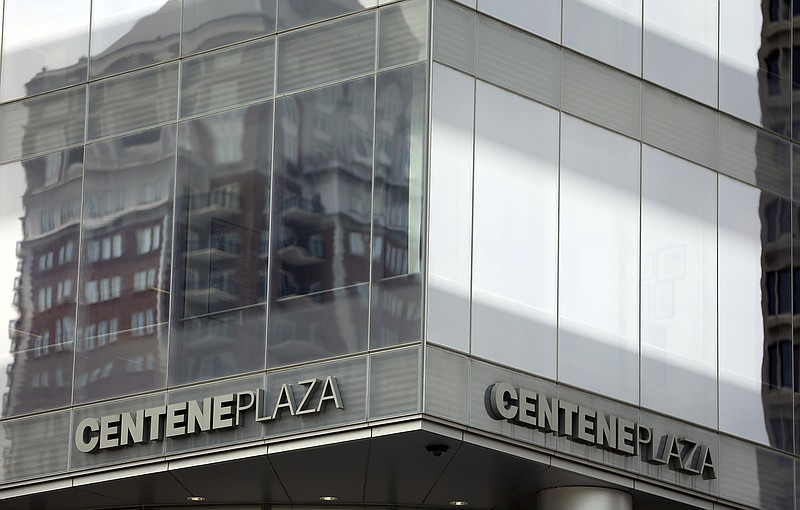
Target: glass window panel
x,y
768,486
397,221
126,296
35,447
608,30
679,282
228,77
680,126
598,290
518,61
40,241
543,18
209,24
754,156
795,170
454,35
755,64
327,52
601,94
394,383
292,13
321,325
322,197
750,251
680,47
42,124
221,244
45,45
127,36
323,187
450,210
402,33
447,385
514,290
133,101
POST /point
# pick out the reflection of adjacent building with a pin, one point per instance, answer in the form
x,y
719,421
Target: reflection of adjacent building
x,y
780,278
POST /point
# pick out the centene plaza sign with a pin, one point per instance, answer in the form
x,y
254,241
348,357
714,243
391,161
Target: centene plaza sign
x,y
210,413
589,426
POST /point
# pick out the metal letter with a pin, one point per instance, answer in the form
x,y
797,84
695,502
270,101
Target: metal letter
x,y
586,425
240,407
223,411
626,430
566,411
527,407
689,452
260,401
197,418
311,385
176,420
85,438
547,414
501,401
707,467
285,400
154,414
109,431
131,429
330,392
606,431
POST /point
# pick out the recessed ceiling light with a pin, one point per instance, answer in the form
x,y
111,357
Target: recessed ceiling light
x,y
328,498
458,503
196,498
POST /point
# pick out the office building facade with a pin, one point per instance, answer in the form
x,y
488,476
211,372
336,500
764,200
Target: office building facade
x,y
413,253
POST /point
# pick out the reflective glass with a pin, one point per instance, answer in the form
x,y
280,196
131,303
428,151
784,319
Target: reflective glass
x,y
450,210
754,476
680,47
39,221
228,77
679,125
754,155
755,324
542,19
34,447
41,124
326,52
454,35
679,288
124,291
394,383
598,287
515,231
322,200
133,101
45,45
601,94
209,24
446,384
608,30
221,244
397,228
292,13
402,32
128,35
755,66
518,61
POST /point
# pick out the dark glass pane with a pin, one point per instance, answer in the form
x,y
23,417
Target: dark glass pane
x,y
322,200
396,248
41,210
786,363
125,263
209,24
292,13
222,225
784,291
